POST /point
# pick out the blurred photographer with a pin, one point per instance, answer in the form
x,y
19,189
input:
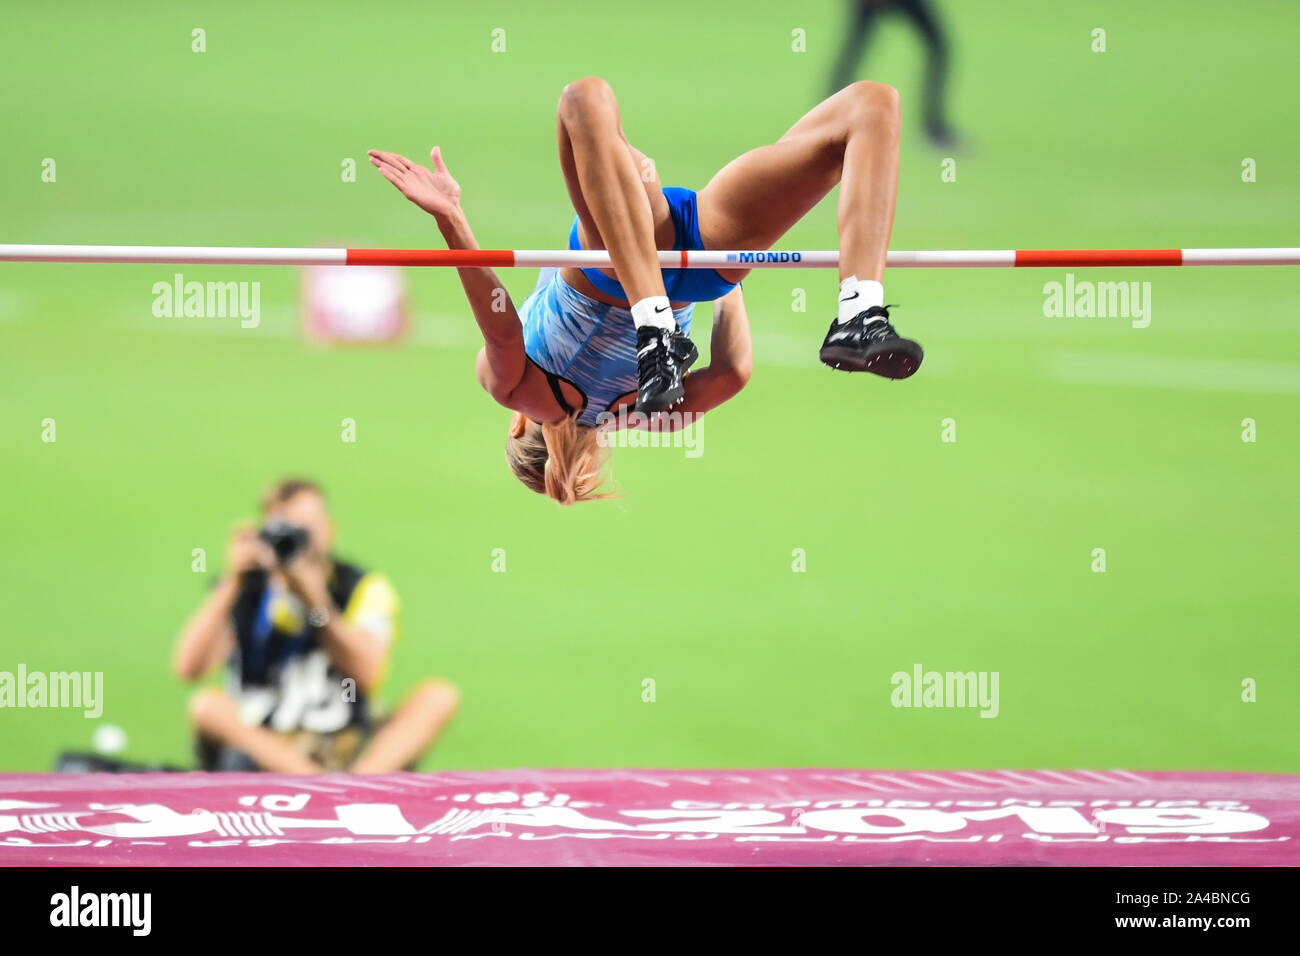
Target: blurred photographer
x,y
306,639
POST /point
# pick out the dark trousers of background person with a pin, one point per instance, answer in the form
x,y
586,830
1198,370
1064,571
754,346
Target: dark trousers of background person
x,y
862,18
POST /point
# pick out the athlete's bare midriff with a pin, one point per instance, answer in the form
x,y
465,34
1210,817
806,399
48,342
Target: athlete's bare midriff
x,y
576,280
665,237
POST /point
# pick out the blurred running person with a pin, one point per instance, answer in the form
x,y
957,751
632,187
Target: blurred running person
x,y
586,343
920,14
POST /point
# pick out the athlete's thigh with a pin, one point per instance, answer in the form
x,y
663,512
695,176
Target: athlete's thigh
x,y
647,172
755,199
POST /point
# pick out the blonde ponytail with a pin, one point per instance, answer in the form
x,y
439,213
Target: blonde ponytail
x,y
564,461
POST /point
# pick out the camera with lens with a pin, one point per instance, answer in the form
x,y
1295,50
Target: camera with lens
x,y
285,539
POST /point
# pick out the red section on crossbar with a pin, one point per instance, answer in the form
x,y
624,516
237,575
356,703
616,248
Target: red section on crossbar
x,y
653,817
1083,258
479,258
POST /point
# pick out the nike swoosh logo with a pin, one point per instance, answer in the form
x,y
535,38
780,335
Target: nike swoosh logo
x,y
850,298
660,308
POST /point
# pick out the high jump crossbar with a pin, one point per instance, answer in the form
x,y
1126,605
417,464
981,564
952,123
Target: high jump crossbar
x,y
540,258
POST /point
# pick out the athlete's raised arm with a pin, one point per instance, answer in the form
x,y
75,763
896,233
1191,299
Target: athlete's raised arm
x,y
437,193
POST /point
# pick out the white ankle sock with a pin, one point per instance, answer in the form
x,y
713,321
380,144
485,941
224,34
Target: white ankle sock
x,y
858,295
654,310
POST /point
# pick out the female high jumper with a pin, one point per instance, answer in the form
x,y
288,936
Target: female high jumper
x,y
585,343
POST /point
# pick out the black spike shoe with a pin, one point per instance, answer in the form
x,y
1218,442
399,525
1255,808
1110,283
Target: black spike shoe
x,y
662,358
868,343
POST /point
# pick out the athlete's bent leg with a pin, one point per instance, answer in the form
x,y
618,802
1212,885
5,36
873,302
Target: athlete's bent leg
x,y
611,198
605,185
850,139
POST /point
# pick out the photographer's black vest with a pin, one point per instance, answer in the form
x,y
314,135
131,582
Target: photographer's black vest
x,y
273,654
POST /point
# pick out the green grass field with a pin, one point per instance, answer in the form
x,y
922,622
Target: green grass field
x,y
1072,434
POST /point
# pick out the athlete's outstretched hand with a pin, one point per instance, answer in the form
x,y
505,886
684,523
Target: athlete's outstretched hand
x,y
433,190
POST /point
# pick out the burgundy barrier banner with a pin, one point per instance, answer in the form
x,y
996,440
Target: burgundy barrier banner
x,y
655,817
